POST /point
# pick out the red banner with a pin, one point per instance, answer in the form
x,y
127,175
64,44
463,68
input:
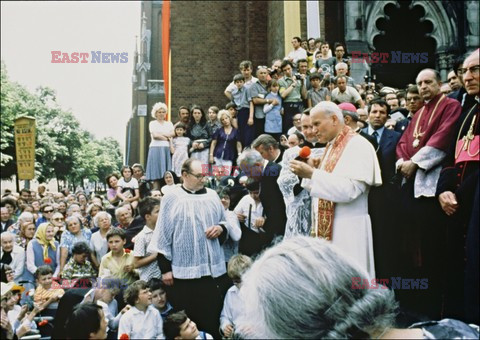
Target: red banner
x,y
166,51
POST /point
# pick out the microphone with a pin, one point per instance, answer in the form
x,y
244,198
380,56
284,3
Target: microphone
x,y
303,154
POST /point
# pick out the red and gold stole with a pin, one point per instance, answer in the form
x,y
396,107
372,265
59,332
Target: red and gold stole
x,y
326,208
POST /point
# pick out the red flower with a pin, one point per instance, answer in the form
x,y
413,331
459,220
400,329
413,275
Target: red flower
x,y
48,260
42,323
124,336
128,252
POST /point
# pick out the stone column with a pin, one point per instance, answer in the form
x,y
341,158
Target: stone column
x,y
355,36
472,38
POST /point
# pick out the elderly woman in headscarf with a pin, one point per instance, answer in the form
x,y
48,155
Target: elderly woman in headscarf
x,y
26,234
43,250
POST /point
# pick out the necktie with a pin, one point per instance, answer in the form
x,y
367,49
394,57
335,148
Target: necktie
x,y
375,134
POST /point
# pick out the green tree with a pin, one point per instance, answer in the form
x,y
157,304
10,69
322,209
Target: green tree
x,y
63,150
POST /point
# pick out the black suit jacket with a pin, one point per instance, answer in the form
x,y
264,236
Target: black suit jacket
x,y
280,157
371,139
386,153
272,200
7,224
402,125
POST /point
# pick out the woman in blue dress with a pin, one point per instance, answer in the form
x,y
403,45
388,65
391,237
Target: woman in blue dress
x,y
225,144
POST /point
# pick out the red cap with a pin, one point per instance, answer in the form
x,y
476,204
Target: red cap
x,y
347,107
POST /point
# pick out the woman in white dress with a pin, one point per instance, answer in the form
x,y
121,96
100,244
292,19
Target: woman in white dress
x,y
159,159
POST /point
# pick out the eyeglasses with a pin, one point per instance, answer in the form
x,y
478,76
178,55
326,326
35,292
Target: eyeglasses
x,y
413,99
473,70
48,211
197,176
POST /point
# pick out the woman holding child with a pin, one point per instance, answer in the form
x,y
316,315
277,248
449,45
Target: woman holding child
x,y
75,233
200,134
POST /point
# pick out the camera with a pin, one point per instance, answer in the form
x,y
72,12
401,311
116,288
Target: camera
x,y
297,75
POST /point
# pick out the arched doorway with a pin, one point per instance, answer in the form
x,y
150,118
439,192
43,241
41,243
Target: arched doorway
x,y
404,30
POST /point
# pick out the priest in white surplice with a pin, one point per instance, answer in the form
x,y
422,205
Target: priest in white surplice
x,y
341,180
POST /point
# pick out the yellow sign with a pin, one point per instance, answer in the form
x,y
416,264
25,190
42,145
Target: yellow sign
x,y
25,147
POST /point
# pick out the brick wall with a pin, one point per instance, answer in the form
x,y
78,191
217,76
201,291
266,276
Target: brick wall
x,y
208,41
303,20
276,28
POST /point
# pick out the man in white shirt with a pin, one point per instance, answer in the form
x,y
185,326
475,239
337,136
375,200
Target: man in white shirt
x,y
346,94
297,53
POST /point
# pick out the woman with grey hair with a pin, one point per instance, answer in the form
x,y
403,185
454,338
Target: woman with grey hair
x,y
75,233
98,242
159,159
305,288
251,162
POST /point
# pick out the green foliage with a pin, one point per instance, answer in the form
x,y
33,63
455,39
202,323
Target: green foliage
x,y
63,150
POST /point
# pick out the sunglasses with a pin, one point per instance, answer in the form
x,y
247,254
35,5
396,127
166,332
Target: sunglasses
x,y
48,211
58,219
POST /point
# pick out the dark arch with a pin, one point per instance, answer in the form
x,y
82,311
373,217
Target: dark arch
x,y
403,30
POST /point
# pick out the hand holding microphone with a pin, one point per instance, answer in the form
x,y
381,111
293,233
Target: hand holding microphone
x,y
299,166
303,154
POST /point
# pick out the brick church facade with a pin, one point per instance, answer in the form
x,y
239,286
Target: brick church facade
x,y
208,39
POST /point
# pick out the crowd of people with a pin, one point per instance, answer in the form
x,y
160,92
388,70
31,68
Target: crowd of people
x,y
310,207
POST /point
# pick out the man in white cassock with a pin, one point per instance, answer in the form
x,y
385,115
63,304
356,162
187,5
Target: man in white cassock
x,y
191,227
340,180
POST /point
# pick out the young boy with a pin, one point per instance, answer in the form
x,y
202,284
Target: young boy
x,y
142,321
245,115
159,297
232,307
118,262
317,94
145,262
45,294
78,266
179,326
213,121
